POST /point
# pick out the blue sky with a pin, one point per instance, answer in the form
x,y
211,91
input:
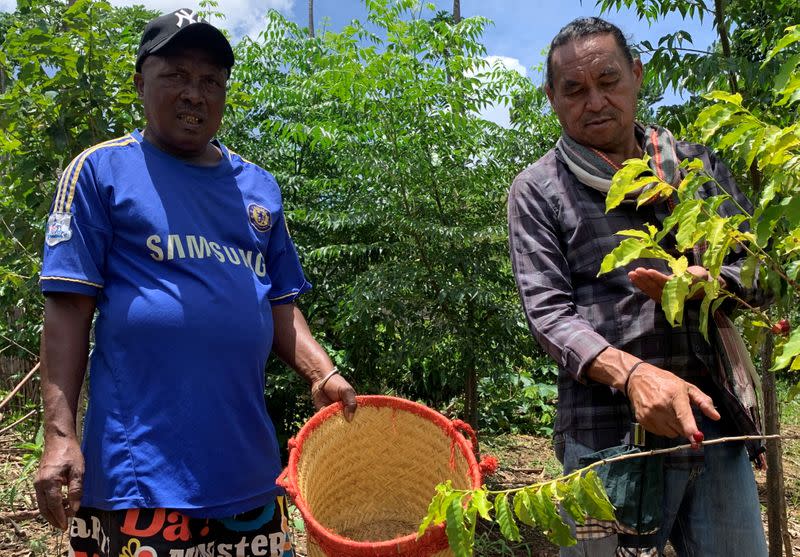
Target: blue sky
x,y
522,29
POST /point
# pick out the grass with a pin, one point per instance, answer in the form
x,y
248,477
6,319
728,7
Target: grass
x,y
788,406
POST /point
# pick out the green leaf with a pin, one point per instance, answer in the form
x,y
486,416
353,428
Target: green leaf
x,y
793,392
592,496
508,527
711,119
457,532
616,195
434,510
791,36
673,298
542,508
787,351
677,216
724,96
629,250
786,73
625,181
560,533
687,226
718,240
480,500
633,233
522,506
658,191
624,253
691,183
737,134
679,265
569,502
547,517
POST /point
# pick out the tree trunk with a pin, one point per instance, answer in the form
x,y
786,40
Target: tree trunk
x,y
471,396
310,18
776,501
456,11
722,29
470,380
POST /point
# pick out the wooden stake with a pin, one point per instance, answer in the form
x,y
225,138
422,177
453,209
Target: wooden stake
x,y
16,389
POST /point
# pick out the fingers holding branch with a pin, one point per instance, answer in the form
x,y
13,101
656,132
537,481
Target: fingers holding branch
x,y
662,402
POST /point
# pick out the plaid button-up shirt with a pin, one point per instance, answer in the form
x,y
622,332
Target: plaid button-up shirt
x,y
559,233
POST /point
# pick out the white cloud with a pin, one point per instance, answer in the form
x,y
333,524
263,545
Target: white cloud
x,y
509,63
242,17
499,113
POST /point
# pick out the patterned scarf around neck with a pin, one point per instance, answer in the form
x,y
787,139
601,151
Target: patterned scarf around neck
x,y
594,169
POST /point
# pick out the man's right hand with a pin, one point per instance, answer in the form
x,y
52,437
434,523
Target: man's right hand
x,y
662,402
61,466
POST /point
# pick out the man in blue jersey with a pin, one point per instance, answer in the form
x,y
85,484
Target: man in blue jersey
x,y
181,249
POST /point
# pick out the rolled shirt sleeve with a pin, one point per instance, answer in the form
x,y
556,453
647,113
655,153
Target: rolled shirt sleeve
x,y
543,281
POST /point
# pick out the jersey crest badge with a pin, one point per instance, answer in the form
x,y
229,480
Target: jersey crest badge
x,y
59,228
259,217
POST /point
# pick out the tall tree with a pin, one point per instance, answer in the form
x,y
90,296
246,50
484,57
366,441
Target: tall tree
x,y
396,191
67,67
456,11
310,18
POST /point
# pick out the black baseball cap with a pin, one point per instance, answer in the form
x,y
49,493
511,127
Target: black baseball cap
x,y
179,26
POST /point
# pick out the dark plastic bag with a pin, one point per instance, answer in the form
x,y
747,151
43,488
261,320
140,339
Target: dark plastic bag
x,y
635,487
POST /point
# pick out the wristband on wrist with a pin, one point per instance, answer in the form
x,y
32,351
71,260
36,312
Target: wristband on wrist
x,y
321,383
630,372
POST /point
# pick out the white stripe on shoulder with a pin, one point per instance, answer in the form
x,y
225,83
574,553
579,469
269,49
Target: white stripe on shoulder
x,y
67,184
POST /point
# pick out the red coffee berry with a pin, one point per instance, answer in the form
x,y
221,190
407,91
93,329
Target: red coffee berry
x,y
698,437
782,327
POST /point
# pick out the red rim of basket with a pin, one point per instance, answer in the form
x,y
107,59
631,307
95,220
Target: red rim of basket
x,y
435,536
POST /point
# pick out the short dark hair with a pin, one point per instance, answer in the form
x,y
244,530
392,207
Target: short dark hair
x,y
585,27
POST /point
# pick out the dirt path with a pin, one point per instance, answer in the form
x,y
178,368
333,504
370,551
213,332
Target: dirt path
x,y
523,460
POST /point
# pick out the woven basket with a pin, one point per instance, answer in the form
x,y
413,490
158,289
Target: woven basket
x,y
364,487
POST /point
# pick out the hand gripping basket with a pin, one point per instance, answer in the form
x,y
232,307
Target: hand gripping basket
x,y
364,487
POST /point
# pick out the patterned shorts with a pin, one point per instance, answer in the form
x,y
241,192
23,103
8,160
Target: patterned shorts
x,y
170,533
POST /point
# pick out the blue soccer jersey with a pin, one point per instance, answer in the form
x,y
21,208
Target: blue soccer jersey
x,y
185,262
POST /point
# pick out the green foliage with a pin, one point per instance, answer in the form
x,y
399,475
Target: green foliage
x,y
580,494
395,191
30,461
65,84
394,185
520,401
772,235
751,28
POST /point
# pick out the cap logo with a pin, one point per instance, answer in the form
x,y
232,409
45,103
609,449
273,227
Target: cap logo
x,y
185,16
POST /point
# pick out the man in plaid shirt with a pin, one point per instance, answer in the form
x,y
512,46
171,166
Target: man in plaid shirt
x,y
608,334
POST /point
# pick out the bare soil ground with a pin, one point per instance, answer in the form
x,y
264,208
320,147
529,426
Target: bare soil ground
x,y
523,460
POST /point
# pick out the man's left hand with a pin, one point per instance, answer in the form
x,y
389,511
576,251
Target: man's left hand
x,y
294,344
652,282
335,389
